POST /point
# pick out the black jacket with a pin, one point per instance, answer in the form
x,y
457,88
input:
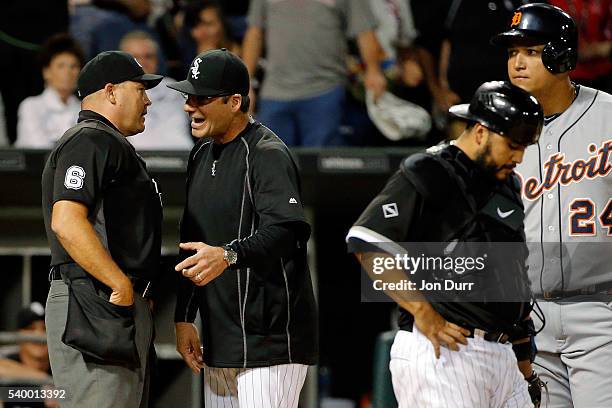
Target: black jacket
x,y
263,312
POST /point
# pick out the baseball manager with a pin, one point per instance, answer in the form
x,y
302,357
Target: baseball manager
x,y
243,240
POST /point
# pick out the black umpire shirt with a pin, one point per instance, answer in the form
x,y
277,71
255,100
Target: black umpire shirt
x,y
96,166
419,219
262,311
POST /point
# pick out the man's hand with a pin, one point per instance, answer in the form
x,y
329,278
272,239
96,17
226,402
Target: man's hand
x,y
375,81
444,98
205,265
123,294
188,345
439,331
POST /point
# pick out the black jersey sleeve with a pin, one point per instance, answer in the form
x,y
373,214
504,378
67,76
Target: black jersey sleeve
x,y
276,188
273,241
84,166
390,217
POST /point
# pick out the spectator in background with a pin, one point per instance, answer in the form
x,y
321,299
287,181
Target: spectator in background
x,y
167,126
44,118
99,25
29,362
204,28
594,22
466,58
25,25
396,32
235,12
167,28
302,95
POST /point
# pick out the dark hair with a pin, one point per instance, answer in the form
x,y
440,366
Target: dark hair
x,y
192,12
245,102
470,124
58,44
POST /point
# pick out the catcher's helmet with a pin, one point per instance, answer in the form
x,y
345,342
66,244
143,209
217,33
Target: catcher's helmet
x,y
542,23
505,109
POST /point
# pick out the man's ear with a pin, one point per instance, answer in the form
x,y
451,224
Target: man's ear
x,y
481,134
109,93
236,101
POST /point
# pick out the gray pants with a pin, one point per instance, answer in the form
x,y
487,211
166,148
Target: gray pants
x,y
97,385
575,354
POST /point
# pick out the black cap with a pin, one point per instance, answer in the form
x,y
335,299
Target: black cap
x,y
505,109
112,67
29,314
215,73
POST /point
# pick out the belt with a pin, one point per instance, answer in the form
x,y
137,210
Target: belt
x,y
600,288
140,286
495,337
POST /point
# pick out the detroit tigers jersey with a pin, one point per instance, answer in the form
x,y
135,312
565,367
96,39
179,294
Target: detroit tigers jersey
x,y
566,191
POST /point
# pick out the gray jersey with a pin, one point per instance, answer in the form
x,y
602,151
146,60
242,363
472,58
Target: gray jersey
x,y
306,43
567,195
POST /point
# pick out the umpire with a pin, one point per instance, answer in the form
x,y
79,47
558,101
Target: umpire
x,y
461,192
243,237
103,216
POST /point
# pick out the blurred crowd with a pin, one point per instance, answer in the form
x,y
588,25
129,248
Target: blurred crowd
x,y
324,72
26,362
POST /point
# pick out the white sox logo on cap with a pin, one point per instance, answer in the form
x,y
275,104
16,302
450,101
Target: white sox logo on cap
x,y
195,69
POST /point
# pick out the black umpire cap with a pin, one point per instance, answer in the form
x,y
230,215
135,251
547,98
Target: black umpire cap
x,y
215,73
112,67
505,109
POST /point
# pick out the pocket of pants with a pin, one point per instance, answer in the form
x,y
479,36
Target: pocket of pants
x,y
99,329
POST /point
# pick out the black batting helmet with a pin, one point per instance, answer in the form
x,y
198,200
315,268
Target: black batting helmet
x,y
505,109
542,23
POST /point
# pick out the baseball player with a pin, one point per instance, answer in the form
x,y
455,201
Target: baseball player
x,y
243,244
465,191
566,190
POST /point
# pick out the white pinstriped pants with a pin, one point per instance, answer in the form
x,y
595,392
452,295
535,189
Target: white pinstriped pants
x,y
276,386
482,374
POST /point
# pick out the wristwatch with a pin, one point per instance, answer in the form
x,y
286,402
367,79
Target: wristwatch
x,y
229,255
